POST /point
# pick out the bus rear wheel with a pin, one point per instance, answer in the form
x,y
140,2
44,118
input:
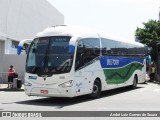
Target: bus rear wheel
x,y
135,81
96,91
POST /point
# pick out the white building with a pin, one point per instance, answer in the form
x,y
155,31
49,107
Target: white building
x,y
21,19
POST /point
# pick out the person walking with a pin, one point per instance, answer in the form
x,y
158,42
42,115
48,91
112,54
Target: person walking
x,y
11,72
149,66
153,72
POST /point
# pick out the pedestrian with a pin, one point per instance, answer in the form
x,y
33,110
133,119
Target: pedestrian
x,y
153,71
149,65
11,73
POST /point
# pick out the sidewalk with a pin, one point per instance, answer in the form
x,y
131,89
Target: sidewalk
x,y
3,87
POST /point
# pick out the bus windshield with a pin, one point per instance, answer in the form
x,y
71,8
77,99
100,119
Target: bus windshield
x,y
49,55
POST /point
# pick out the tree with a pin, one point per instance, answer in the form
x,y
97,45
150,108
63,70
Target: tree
x,y
150,34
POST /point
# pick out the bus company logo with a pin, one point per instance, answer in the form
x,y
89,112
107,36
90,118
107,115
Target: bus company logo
x,y
6,114
113,62
44,77
79,85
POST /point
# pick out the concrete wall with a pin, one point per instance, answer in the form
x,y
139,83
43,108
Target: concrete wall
x,y
2,44
1,63
18,61
22,19
8,47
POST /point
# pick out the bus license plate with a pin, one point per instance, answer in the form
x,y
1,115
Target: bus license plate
x,y
44,91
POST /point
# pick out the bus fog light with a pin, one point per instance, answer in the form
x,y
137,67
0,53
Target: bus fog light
x,y
27,84
66,84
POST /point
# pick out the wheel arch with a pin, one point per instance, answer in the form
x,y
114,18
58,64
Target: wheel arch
x,y
136,75
99,81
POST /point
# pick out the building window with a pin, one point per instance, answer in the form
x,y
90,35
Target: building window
x,y
15,44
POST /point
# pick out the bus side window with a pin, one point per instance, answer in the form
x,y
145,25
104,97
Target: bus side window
x,y
92,49
87,50
79,55
104,51
108,47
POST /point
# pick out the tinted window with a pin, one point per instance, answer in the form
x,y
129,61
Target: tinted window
x,y
87,50
108,47
49,55
135,50
117,48
121,48
131,49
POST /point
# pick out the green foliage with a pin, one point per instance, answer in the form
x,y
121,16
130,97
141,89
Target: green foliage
x,y
149,34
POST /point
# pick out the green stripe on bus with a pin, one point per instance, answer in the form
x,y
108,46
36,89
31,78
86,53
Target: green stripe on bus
x,y
121,75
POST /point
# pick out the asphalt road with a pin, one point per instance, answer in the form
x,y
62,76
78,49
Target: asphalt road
x,y
145,98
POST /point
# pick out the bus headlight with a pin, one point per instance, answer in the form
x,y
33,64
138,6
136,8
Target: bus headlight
x,y
66,84
27,84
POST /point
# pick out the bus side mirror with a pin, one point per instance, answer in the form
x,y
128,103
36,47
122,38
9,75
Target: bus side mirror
x,y
19,50
23,45
71,49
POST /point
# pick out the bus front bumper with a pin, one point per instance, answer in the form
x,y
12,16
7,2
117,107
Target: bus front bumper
x,y
49,92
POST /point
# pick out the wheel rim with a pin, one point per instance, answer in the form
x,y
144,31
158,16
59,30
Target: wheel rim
x,y
95,89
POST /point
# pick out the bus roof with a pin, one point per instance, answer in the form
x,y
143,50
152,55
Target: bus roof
x,y
80,32
104,35
68,30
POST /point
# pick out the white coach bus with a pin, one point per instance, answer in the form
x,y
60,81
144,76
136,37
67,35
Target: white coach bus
x,y
67,61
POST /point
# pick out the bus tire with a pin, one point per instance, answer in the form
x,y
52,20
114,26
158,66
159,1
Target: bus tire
x,y
96,91
135,81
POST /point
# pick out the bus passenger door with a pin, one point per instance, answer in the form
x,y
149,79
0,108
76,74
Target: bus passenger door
x,y
79,70
79,82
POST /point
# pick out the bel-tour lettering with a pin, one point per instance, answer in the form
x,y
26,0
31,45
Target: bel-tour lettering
x,y
112,62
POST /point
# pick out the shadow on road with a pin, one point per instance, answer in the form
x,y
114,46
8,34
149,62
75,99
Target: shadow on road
x,y
62,102
11,90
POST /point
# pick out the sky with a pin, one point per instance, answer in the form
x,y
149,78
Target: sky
x,y
118,18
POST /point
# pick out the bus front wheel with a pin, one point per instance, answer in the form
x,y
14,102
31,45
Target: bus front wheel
x,y
96,90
